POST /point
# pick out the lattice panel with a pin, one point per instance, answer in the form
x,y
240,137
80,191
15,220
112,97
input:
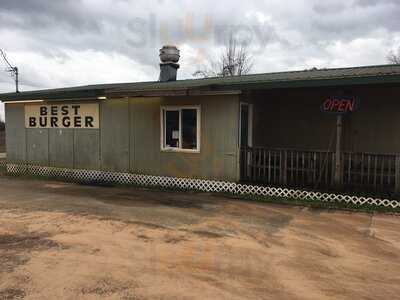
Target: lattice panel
x,y
191,184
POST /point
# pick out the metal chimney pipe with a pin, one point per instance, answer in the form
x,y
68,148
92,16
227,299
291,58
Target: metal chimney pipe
x,y
169,56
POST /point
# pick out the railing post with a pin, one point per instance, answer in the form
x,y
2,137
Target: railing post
x,y
239,161
284,167
249,163
397,171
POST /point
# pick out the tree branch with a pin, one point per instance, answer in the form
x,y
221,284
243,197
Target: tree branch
x,y
394,58
235,60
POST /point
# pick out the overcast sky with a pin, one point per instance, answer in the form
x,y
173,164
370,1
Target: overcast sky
x,y
76,42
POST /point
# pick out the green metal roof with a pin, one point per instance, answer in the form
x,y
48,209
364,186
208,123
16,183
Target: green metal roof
x,y
308,78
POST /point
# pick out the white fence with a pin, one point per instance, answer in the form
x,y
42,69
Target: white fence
x,y
93,176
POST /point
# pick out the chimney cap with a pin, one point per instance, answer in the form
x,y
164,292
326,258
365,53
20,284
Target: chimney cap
x,y
169,54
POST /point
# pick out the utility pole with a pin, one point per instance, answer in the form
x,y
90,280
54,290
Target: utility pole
x,y
16,80
11,69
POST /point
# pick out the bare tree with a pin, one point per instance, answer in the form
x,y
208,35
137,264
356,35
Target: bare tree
x,y
393,57
234,61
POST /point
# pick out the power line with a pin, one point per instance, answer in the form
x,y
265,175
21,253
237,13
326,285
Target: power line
x,y
11,69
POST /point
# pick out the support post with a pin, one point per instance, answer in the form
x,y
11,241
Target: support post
x,y
338,153
284,168
397,171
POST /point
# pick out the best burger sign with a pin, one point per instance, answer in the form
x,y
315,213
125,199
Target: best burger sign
x,y
62,116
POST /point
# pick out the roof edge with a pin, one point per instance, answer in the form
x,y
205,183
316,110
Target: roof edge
x,y
381,74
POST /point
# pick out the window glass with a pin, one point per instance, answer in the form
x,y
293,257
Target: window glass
x,y
180,128
171,128
189,129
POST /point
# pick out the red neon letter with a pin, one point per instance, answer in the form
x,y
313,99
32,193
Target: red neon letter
x,y
327,105
342,106
350,105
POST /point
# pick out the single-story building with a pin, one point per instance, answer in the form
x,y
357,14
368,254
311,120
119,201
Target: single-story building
x,y
318,129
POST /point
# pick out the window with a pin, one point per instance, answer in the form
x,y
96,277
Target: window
x,y
180,128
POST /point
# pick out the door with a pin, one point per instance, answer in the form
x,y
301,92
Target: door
x,y
245,140
246,125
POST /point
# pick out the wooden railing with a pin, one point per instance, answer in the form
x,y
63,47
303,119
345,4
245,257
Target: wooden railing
x,y
316,169
374,171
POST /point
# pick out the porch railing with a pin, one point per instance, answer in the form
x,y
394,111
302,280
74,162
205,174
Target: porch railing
x,y
316,169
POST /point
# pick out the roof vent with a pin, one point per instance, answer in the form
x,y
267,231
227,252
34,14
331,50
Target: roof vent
x,y
169,56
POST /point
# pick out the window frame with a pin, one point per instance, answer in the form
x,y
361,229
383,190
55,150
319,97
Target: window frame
x,y
179,108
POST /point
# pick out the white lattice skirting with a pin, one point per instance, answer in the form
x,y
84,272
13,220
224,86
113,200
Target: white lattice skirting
x,y
191,184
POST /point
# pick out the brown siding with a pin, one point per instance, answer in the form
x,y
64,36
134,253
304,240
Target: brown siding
x,y
218,158
292,119
129,140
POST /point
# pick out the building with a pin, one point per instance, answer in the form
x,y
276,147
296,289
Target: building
x,y
318,129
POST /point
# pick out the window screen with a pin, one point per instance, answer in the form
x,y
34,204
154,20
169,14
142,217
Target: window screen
x,y
189,129
172,134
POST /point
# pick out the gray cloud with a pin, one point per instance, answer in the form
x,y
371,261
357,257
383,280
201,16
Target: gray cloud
x,y
372,3
73,42
43,13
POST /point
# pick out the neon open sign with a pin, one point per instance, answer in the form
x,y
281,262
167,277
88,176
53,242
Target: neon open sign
x,y
340,105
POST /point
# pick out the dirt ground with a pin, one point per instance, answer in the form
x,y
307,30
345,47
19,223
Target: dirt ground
x,y
67,241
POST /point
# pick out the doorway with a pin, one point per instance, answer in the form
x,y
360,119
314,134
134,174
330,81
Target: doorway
x,y
245,138
246,125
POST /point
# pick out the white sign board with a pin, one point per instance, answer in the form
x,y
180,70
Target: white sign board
x,y
62,116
